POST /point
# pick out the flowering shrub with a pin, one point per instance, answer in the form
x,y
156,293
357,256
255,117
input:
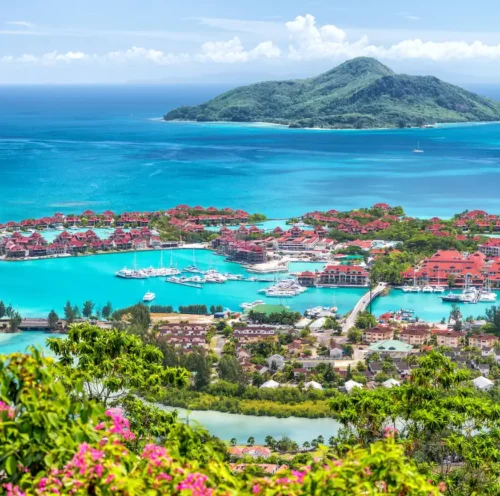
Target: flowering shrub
x,y
55,442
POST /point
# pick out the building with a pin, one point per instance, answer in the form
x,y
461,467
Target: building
x,y
414,336
350,385
344,275
391,347
483,341
270,385
276,362
483,383
451,339
491,248
377,334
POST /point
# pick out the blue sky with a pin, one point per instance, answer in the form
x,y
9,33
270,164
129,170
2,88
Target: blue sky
x,y
198,41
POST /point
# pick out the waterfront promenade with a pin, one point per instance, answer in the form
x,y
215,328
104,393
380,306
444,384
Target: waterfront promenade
x,y
362,305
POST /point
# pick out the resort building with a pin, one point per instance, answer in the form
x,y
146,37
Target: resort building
x,y
344,275
491,248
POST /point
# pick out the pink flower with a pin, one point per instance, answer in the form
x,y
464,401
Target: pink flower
x,y
442,487
164,476
100,426
255,489
6,408
11,490
109,479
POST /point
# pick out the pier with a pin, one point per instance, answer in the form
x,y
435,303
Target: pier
x,y
362,305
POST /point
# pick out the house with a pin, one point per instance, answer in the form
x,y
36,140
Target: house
x,y
377,334
390,383
483,383
276,362
313,385
336,353
350,385
270,385
391,347
253,451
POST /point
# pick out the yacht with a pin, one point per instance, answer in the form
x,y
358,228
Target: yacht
x,y
418,149
255,303
427,289
125,273
148,297
438,289
451,297
486,295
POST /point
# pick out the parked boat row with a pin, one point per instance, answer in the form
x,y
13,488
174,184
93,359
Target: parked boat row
x,y
423,289
471,295
249,306
184,281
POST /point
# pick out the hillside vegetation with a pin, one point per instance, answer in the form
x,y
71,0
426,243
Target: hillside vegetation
x,y
360,93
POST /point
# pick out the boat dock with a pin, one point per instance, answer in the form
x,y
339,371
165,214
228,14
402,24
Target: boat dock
x,y
188,284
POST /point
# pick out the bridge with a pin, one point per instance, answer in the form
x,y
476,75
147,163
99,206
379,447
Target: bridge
x,y
362,305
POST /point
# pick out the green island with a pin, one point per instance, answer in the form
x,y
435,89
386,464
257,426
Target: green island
x,y
361,93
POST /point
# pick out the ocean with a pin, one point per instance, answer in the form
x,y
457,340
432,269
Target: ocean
x,y
70,148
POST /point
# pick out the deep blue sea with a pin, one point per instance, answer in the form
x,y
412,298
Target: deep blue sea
x,y
70,148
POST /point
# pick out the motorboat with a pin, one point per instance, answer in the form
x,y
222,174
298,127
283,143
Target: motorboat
x,y
149,296
125,273
454,297
418,149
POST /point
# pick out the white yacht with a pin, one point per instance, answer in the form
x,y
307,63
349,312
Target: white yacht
x,y
438,289
486,295
125,273
148,297
427,289
255,303
418,149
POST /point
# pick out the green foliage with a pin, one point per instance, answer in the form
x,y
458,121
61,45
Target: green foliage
x,y
161,309
230,370
136,318
354,335
365,320
193,309
52,319
113,363
360,93
282,318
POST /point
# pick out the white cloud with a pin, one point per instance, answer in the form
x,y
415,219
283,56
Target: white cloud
x,y
232,51
21,24
307,41
137,53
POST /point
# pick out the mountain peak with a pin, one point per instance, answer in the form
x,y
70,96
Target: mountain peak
x,y
360,66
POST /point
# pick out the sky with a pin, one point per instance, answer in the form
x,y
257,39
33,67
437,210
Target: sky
x,y
238,41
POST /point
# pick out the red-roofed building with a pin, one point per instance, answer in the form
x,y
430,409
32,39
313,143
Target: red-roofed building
x,y
344,275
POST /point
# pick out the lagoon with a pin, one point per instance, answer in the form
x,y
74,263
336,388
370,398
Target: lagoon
x,y
229,425
18,342
35,287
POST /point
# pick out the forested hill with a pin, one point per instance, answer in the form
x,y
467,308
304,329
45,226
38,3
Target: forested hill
x,y
360,93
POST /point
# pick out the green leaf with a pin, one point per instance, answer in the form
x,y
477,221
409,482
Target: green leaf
x,y
11,465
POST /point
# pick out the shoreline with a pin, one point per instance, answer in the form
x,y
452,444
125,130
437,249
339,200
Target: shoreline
x,y
260,124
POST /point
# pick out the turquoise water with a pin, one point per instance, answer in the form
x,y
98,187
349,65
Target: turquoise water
x,y
71,148
35,287
18,342
427,306
227,425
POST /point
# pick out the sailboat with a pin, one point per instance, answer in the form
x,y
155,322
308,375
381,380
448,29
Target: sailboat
x,y
193,268
486,295
418,149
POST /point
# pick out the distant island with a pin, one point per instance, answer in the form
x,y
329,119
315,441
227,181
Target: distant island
x,y
361,93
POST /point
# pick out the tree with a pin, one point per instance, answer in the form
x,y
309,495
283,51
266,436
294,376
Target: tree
x,y
15,322
451,280
107,310
69,313
113,364
233,441
270,442
348,350
329,375
88,308
2,309
354,335
251,441
212,309
230,370
365,320
198,362
306,445
52,319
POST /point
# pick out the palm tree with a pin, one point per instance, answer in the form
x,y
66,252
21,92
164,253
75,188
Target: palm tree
x,y
251,441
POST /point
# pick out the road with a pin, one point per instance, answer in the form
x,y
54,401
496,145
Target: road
x,y
362,305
